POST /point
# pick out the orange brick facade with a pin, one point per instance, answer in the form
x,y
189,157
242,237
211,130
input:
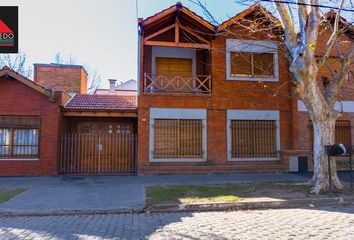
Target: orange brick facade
x,y
18,99
231,95
225,95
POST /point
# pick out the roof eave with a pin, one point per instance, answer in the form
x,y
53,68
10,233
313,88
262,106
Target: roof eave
x,y
173,8
244,13
27,82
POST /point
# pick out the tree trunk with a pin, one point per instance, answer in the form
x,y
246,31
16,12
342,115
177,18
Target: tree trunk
x,y
323,120
324,135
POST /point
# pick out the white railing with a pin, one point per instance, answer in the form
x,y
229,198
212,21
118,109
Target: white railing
x,y
199,84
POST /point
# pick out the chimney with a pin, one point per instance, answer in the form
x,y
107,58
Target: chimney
x,y
61,77
112,86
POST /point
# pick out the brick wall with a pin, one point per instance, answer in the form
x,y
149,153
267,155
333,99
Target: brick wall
x,y
69,78
21,100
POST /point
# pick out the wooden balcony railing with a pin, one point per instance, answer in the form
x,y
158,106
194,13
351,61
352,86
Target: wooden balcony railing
x,y
198,84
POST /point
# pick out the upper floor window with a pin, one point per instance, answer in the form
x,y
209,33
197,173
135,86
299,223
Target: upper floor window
x,y
173,67
251,60
245,64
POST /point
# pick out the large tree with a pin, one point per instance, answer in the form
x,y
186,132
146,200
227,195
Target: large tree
x,y
301,22
302,45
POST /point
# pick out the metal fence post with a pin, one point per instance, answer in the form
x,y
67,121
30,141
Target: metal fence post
x,y
99,148
329,173
351,168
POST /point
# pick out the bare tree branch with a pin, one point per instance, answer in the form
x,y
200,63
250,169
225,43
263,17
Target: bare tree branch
x,y
339,79
16,62
332,40
288,26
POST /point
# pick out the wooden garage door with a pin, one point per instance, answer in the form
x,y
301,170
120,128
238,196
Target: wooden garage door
x,y
177,73
99,148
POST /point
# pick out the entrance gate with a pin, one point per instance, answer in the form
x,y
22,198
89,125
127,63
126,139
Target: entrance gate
x,y
99,154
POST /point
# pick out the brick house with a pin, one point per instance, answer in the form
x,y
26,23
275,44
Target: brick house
x,y
206,105
203,107
30,121
57,126
210,99
344,132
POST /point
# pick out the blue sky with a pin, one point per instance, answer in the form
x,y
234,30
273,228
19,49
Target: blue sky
x,y
98,33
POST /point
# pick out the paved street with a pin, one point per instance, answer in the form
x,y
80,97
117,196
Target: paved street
x,y
325,223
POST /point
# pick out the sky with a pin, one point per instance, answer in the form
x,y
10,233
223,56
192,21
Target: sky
x,y
101,34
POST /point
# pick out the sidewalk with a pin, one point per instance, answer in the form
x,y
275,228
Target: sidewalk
x,y
109,193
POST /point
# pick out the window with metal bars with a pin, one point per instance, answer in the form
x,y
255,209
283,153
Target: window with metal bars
x,y
19,137
253,139
178,138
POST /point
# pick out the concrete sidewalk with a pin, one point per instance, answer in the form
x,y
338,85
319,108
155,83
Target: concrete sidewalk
x,y
120,193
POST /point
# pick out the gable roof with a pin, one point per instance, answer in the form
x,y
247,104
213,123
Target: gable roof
x,y
101,102
346,27
6,71
130,85
177,7
251,9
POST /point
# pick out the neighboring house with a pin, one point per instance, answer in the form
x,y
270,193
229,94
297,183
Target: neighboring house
x,y
344,132
30,125
49,132
128,88
204,103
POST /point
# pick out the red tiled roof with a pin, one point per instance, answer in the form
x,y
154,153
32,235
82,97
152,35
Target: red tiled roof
x,y
102,102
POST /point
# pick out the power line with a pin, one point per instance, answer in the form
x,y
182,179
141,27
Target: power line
x,y
137,8
307,4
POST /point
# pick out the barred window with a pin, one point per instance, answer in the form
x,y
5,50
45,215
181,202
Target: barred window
x,y
253,139
245,64
178,138
19,137
342,133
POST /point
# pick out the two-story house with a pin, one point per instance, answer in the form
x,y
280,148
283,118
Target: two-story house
x,y
213,99
210,99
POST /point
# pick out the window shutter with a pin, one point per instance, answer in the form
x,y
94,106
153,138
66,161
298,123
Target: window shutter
x,y
241,64
19,122
263,64
174,66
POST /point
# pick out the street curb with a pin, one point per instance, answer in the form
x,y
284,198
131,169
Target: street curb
x,y
9,213
225,206
193,207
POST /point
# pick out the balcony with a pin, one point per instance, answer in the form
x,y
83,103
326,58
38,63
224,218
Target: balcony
x,y
169,83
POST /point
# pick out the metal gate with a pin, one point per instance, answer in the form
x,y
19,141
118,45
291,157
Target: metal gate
x,y
101,154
